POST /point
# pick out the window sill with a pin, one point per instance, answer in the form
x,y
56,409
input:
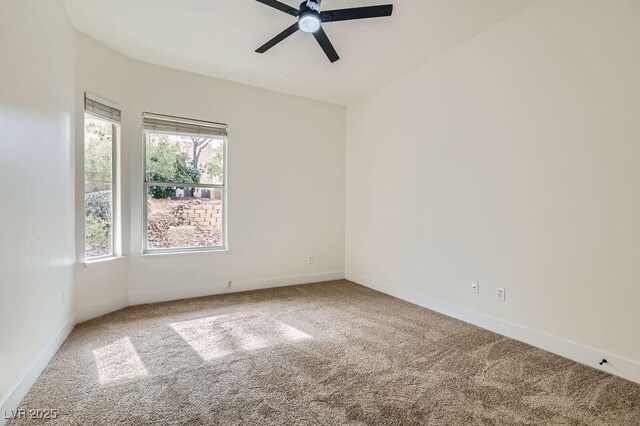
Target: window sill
x,y
153,254
104,259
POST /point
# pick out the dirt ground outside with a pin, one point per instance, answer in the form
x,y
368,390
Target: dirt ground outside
x,y
184,222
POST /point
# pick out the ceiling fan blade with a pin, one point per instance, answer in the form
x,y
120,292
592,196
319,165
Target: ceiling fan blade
x,y
326,45
281,7
277,39
356,13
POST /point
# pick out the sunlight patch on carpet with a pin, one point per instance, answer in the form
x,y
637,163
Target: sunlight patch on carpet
x,y
221,335
118,361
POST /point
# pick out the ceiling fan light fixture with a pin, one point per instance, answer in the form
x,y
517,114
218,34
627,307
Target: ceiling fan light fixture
x,y
309,22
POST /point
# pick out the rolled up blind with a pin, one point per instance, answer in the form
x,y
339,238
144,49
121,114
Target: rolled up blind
x,y
165,124
101,108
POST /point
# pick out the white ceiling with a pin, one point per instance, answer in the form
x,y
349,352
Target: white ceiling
x,y
218,38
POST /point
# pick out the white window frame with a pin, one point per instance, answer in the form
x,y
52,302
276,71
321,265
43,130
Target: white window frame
x,y
146,184
115,204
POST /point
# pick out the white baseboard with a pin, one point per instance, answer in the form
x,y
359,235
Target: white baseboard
x,y
617,365
16,394
93,311
155,296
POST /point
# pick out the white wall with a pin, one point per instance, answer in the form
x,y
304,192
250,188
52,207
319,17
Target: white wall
x,y
511,160
36,171
286,174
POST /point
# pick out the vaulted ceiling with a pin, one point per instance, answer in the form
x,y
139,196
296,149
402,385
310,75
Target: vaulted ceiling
x,y
218,38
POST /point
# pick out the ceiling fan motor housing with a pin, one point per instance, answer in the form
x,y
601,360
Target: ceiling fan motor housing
x,y
311,4
309,18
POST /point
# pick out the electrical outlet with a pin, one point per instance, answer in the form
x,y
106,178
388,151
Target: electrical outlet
x,y
63,296
310,259
501,294
475,287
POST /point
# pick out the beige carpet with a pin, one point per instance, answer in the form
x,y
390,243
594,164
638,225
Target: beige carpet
x,y
331,354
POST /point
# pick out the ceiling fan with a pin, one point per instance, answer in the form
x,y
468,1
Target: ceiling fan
x,y
310,20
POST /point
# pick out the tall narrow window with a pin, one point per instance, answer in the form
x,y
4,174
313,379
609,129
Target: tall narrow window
x,y
184,184
101,130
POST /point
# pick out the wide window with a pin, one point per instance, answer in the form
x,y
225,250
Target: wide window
x,y
184,184
101,130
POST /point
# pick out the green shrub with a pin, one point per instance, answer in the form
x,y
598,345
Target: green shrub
x,y
182,172
97,235
214,168
160,192
98,204
185,171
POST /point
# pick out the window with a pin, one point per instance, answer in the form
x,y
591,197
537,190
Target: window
x,y
185,178
101,131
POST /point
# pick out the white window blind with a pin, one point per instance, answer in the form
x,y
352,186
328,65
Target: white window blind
x,y
101,108
164,124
